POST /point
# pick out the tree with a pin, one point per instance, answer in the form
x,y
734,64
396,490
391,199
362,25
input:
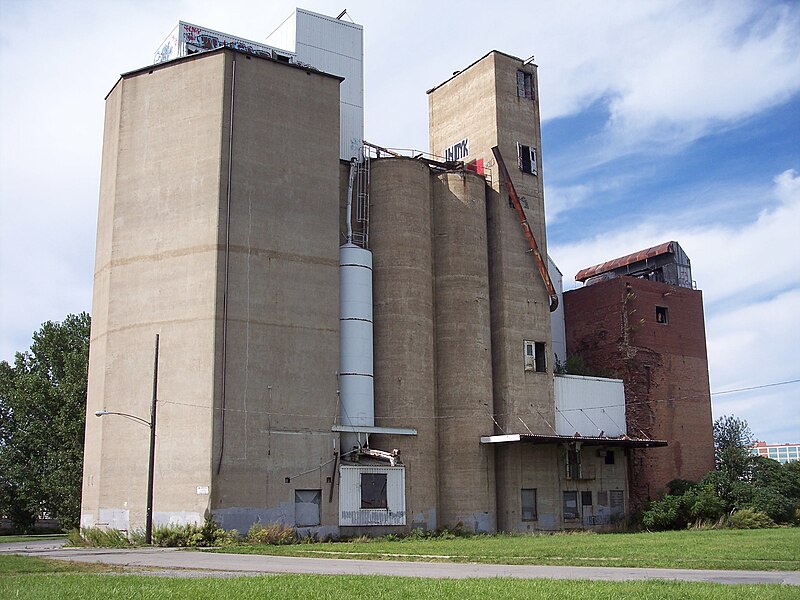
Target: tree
x,y
732,441
42,412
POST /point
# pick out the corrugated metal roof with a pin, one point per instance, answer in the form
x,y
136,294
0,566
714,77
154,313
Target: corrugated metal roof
x,y
665,248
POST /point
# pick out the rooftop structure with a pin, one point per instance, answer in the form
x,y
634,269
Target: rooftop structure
x,y
666,263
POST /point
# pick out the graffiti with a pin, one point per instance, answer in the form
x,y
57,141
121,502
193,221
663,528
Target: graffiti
x,y
457,151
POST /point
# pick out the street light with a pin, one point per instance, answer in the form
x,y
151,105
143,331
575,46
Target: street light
x,y
148,528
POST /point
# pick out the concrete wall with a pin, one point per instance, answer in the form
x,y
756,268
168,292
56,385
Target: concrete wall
x,y
613,325
155,273
247,308
401,230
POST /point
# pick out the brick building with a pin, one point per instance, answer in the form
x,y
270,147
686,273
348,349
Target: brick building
x,y
640,317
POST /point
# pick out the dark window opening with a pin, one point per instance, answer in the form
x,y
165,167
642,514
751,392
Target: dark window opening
x,y
529,505
535,356
373,490
527,159
609,457
524,84
586,498
571,505
573,464
662,315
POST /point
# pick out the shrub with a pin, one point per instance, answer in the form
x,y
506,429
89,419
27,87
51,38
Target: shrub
x,y
750,519
276,534
194,536
98,538
773,504
668,513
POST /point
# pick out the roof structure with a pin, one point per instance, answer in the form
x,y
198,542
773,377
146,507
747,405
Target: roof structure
x,y
533,438
610,265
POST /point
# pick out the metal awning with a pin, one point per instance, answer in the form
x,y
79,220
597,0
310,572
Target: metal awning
x,y
372,429
528,438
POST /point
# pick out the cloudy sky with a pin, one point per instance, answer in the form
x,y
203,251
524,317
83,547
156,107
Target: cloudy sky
x,y
661,121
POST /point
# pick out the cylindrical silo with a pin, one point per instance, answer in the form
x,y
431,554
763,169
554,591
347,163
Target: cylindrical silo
x,y
463,352
356,400
400,238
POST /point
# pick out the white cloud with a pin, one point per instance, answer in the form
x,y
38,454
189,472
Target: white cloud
x,y
750,277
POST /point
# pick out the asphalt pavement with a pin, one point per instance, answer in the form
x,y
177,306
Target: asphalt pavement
x,y
175,562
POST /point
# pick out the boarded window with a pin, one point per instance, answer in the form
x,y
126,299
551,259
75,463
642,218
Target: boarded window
x,y
373,490
527,159
617,498
306,507
524,84
571,505
602,498
529,505
586,498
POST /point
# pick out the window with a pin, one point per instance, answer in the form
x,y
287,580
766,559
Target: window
x,y
662,315
609,457
586,498
602,498
527,159
306,507
529,505
373,490
524,84
573,463
535,356
571,505
617,502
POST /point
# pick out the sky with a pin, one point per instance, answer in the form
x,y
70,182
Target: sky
x,y
661,120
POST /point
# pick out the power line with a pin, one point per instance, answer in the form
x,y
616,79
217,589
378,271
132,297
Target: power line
x,y
755,387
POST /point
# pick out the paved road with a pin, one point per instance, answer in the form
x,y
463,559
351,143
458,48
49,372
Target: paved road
x,y
216,564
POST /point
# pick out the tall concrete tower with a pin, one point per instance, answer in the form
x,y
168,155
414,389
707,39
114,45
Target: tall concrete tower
x,y
494,102
218,230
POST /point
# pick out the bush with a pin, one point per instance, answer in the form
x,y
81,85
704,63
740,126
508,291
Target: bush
x,y
750,519
773,504
95,537
668,513
194,536
275,534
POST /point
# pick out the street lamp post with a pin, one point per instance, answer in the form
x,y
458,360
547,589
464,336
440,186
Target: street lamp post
x,y
148,528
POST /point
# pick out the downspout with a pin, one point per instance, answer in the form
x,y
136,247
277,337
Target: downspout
x,y
349,213
227,268
551,290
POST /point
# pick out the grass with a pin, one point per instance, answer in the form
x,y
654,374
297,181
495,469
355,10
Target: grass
x,y
729,549
13,565
43,579
7,539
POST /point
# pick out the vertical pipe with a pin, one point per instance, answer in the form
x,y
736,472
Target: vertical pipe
x,y
148,534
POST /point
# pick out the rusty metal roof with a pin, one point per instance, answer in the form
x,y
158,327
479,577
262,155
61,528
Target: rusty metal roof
x,y
610,265
533,438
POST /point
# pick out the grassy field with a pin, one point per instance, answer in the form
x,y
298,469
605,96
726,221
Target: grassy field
x,y
23,577
736,549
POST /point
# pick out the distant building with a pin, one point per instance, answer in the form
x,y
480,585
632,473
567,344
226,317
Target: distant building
x,y
783,453
640,317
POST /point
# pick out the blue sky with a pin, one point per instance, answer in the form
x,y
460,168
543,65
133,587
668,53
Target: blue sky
x,y
661,120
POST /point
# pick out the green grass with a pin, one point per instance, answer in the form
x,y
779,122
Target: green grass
x,y
13,565
7,539
374,587
760,550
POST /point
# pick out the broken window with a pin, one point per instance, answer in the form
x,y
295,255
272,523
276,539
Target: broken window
x,y
306,507
535,356
573,463
373,490
662,315
529,505
524,84
609,457
571,505
586,498
527,159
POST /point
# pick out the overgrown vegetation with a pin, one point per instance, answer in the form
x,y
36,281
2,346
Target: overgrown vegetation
x,y
170,536
743,491
42,412
575,365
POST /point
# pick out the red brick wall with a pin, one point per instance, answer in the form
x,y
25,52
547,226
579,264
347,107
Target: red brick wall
x,y
613,326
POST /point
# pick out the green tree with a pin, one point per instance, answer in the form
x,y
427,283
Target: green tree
x,y
732,441
42,412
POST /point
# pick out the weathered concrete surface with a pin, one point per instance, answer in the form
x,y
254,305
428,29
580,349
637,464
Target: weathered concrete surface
x,y
249,564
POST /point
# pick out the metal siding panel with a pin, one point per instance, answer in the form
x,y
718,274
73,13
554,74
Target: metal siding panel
x,y
284,35
589,405
350,512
